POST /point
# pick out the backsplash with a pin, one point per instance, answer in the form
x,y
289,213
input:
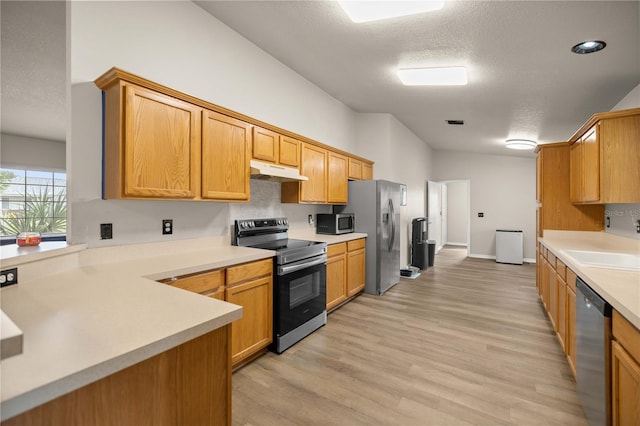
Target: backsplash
x,y
623,219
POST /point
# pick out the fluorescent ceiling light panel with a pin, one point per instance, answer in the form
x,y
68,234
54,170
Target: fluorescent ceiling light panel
x,y
365,11
520,144
448,76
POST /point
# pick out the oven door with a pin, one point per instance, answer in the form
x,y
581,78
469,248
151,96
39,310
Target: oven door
x,y
300,293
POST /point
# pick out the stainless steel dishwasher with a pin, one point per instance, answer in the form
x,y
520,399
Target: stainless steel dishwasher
x,y
593,354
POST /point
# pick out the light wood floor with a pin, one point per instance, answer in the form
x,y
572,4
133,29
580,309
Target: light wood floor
x,y
467,342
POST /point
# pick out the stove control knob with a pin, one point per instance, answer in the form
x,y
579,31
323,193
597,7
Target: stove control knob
x,y
252,224
286,222
243,224
280,222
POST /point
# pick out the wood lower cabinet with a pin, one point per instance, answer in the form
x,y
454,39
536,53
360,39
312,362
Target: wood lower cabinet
x,y
187,385
337,178
345,271
356,266
226,147
336,275
251,286
625,372
208,283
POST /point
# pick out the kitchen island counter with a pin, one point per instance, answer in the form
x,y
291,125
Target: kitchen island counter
x,y
106,314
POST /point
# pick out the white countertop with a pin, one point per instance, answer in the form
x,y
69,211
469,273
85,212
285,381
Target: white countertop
x,y
620,288
310,234
13,255
91,321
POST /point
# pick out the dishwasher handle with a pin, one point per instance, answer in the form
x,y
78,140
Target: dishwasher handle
x,y
593,299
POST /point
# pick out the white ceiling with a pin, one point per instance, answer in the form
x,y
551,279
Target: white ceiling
x,y
523,79
33,71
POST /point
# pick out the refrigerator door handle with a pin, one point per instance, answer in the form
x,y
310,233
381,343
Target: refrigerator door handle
x,y
393,225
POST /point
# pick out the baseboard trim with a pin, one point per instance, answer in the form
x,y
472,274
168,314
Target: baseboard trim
x,y
484,256
456,244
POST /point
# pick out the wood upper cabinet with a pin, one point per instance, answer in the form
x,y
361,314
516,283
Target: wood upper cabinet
x,y
289,151
356,266
152,145
355,169
605,163
336,274
251,286
625,372
266,145
313,164
555,185
367,171
226,145
337,178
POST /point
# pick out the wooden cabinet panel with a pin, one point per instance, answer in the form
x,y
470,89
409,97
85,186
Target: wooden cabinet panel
x,y
553,296
253,332
620,147
246,271
355,271
336,275
161,145
355,169
187,385
289,151
562,312
367,171
313,164
226,145
544,283
576,172
570,346
202,282
266,145
337,178
360,243
625,382
626,334
590,166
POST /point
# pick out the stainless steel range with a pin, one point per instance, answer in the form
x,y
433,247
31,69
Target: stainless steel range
x,y
300,271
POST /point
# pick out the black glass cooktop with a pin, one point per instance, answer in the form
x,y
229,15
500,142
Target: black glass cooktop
x,y
288,244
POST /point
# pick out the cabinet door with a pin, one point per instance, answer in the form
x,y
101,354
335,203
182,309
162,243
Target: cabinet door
x,y
355,169
619,141
314,166
562,311
266,145
337,178
576,171
226,145
289,151
553,296
355,271
367,171
336,275
161,145
254,330
539,177
590,166
625,381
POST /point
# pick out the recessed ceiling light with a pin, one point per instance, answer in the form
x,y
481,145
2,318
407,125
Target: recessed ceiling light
x,y
521,144
588,46
448,76
365,11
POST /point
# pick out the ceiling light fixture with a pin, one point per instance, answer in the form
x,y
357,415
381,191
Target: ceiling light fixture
x,y
521,144
588,47
448,76
365,11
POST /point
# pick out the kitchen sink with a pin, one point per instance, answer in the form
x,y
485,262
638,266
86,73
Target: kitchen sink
x,y
605,259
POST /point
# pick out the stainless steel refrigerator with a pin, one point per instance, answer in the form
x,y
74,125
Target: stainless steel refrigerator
x,y
376,204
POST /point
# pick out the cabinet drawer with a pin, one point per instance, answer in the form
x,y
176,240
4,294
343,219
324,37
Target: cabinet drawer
x,y
561,269
355,244
336,249
247,271
628,336
202,282
551,258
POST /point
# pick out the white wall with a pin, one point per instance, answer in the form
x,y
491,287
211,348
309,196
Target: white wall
x,y
181,46
631,100
502,187
32,153
400,156
457,212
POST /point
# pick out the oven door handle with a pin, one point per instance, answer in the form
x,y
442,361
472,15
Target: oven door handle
x,y
284,270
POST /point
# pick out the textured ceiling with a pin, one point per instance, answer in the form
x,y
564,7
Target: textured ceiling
x,y
33,71
523,79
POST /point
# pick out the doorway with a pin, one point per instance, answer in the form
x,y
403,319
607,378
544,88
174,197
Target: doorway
x,y
449,212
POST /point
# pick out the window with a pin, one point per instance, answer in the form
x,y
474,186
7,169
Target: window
x,y
33,201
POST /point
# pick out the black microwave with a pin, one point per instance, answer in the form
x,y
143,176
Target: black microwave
x,y
335,223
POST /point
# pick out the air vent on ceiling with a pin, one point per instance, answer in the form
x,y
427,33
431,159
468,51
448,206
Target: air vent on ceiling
x,y
455,122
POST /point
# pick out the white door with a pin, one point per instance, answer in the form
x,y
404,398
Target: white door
x,y
434,211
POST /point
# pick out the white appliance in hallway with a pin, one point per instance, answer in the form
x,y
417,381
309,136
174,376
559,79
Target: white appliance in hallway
x,y
509,246
376,205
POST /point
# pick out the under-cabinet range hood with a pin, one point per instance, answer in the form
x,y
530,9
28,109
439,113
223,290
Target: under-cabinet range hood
x,y
275,172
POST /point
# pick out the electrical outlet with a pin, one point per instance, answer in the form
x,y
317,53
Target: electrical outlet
x,y
106,231
310,219
8,277
480,214
167,226
608,222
